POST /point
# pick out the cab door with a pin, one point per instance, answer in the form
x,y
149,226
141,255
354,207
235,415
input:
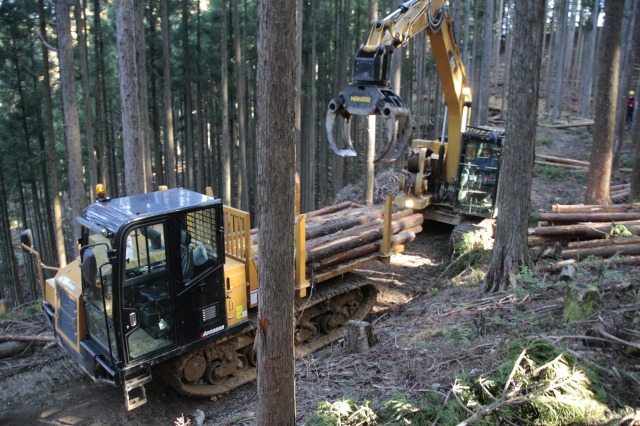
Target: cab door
x,y
148,318
200,281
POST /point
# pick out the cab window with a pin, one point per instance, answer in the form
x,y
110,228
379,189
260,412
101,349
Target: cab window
x,y
198,243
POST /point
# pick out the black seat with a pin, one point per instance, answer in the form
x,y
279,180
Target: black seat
x,y
186,254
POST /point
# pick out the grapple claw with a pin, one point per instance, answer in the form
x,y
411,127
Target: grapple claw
x,y
330,124
366,100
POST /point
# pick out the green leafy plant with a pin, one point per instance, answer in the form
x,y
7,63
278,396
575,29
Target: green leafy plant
x,y
343,412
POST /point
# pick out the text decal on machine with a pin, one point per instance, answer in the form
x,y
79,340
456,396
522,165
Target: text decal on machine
x,y
210,332
355,98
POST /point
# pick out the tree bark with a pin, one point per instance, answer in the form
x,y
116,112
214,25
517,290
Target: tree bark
x,y
70,109
225,149
241,112
145,129
132,134
9,260
53,180
86,101
368,181
276,151
585,102
188,157
559,65
169,149
510,250
604,121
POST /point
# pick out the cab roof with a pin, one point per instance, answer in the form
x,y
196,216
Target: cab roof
x,y
112,214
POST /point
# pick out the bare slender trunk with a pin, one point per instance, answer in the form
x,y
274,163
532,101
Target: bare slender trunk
x,y
70,109
599,179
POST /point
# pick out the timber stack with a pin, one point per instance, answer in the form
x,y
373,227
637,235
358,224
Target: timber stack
x,y
348,235
579,232
618,192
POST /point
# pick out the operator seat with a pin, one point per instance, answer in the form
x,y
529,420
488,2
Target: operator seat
x,y
186,254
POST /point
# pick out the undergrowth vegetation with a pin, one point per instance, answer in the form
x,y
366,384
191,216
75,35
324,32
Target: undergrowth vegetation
x,y
537,384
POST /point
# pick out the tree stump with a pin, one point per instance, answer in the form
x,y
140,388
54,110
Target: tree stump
x,y
581,301
358,337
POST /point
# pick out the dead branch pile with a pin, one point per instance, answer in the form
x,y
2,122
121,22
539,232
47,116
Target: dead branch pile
x,y
386,183
341,235
583,231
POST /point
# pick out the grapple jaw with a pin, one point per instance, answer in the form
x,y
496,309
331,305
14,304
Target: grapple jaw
x,y
366,100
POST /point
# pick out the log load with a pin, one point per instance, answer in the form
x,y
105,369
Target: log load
x,y
579,232
341,237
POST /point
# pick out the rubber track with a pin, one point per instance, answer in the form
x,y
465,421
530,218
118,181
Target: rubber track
x,y
170,370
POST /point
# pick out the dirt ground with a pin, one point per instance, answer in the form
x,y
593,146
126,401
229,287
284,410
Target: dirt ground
x,y
430,325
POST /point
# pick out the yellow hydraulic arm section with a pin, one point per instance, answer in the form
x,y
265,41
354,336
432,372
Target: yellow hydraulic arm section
x,y
406,22
371,67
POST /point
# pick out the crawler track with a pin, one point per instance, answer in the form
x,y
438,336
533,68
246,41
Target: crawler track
x,y
227,364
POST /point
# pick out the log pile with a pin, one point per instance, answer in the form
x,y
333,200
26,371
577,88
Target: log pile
x,y
339,235
578,166
584,231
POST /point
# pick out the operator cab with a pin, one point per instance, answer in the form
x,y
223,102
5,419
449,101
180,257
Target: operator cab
x,y
152,285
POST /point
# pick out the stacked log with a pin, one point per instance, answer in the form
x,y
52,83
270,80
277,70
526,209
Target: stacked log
x,y
567,163
339,235
582,231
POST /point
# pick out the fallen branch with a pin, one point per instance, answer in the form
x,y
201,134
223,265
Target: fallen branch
x,y
25,338
611,338
630,260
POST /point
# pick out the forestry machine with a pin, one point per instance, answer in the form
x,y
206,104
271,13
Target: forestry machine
x,y
455,176
168,280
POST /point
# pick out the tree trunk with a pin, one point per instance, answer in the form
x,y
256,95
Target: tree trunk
x,y
200,123
510,250
225,149
188,157
99,95
141,56
240,100
585,102
52,181
559,66
132,134
309,146
604,121
369,166
484,81
9,257
70,108
169,149
276,151
86,100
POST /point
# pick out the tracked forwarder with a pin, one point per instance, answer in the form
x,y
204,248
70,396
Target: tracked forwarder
x,y
166,284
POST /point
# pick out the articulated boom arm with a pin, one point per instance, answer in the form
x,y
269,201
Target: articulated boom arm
x,y
369,93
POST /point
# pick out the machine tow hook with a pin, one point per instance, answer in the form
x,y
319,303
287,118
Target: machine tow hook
x,y
366,100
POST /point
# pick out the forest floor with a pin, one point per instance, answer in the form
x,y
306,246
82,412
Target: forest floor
x,y
433,325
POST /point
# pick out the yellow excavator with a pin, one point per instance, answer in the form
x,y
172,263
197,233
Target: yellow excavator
x,y
452,179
